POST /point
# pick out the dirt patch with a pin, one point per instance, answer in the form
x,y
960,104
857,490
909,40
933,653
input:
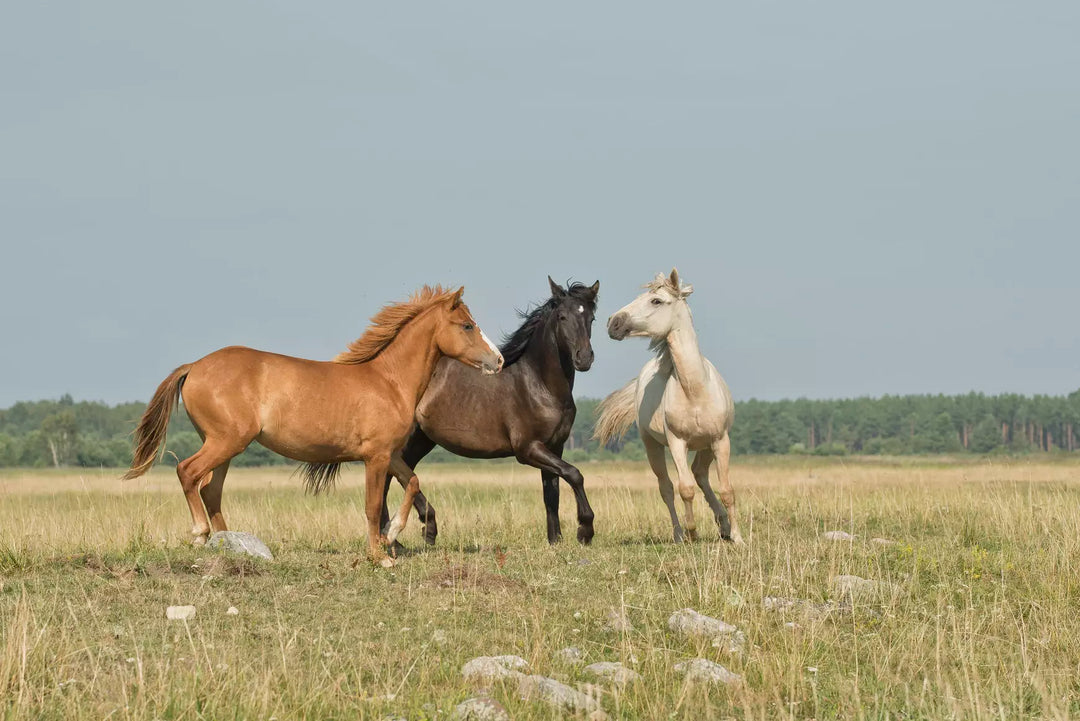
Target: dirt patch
x,y
472,578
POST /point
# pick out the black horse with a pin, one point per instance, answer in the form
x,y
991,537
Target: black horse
x,y
526,411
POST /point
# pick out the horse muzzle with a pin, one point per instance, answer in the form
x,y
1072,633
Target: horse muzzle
x,y
583,360
618,326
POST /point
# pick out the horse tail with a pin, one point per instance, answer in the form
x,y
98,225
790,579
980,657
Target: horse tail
x,y
150,433
319,476
616,413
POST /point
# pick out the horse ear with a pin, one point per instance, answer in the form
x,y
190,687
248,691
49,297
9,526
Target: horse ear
x,y
594,289
674,279
556,289
455,300
686,290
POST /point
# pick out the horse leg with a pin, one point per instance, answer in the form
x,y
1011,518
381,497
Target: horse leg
x,y
402,471
722,450
211,496
658,463
700,467
686,482
375,474
192,471
537,455
418,446
550,482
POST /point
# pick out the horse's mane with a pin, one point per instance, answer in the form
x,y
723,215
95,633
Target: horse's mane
x,y
514,344
388,322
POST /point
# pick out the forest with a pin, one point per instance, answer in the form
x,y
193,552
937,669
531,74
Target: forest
x,y
89,434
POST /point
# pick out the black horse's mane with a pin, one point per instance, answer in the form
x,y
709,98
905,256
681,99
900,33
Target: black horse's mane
x,y
514,344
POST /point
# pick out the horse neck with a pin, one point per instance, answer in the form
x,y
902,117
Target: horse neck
x,y
682,347
556,368
410,359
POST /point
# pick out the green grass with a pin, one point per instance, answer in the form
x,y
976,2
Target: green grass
x,y
983,622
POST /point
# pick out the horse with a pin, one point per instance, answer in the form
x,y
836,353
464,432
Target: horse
x,y
360,406
527,411
678,400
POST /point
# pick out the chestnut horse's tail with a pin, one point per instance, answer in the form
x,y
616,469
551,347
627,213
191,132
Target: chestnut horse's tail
x,y
616,413
150,433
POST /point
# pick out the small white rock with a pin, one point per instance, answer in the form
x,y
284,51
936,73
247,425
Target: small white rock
x,y
704,671
180,613
613,672
837,536
570,654
233,611
490,668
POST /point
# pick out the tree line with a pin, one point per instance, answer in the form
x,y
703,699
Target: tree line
x,y
66,433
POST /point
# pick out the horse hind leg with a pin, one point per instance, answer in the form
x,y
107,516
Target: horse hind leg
x,y
193,472
722,450
211,496
702,461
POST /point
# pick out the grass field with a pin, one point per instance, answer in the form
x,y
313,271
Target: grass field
x,y
980,617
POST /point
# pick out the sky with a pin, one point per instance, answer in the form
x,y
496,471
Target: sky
x,y
868,198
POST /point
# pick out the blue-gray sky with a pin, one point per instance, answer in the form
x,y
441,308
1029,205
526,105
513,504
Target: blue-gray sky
x,y
869,198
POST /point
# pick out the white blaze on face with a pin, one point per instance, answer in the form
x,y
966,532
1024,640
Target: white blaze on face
x,y
491,346
581,309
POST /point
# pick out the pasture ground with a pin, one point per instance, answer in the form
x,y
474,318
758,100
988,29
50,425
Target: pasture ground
x,y
983,621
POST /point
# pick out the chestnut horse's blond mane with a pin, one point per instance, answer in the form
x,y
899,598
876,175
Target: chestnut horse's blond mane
x,y
388,322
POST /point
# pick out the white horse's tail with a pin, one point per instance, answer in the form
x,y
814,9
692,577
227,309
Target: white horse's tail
x,y
616,413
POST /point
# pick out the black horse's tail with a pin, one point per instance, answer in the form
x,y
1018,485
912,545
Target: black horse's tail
x,y
320,476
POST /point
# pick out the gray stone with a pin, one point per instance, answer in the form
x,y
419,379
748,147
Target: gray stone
x,y
571,654
700,670
613,672
479,708
492,668
240,542
808,609
854,588
180,613
723,635
882,542
556,694
837,536
617,622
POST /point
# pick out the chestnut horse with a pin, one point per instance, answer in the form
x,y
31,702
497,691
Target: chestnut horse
x,y
360,406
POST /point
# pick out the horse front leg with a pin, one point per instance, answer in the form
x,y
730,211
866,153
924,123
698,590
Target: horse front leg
x,y
375,473
402,471
418,446
686,483
550,481
537,455
658,463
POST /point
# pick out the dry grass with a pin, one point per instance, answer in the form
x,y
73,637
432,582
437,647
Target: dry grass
x,y
981,620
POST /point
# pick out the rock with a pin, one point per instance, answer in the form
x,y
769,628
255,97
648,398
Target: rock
x,y
691,623
837,536
855,588
180,613
700,670
882,542
617,622
492,668
240,542
570,654
479,708
233,611
809,609
555,693
613,672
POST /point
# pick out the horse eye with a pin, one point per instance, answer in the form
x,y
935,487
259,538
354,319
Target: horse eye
x,y
657,301
467,326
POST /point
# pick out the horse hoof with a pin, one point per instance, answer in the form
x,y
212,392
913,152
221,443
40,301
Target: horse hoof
x,y
585,535
387,562
430,535
199,540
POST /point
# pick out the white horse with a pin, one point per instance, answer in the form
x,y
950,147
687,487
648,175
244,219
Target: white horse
x,y
679,400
